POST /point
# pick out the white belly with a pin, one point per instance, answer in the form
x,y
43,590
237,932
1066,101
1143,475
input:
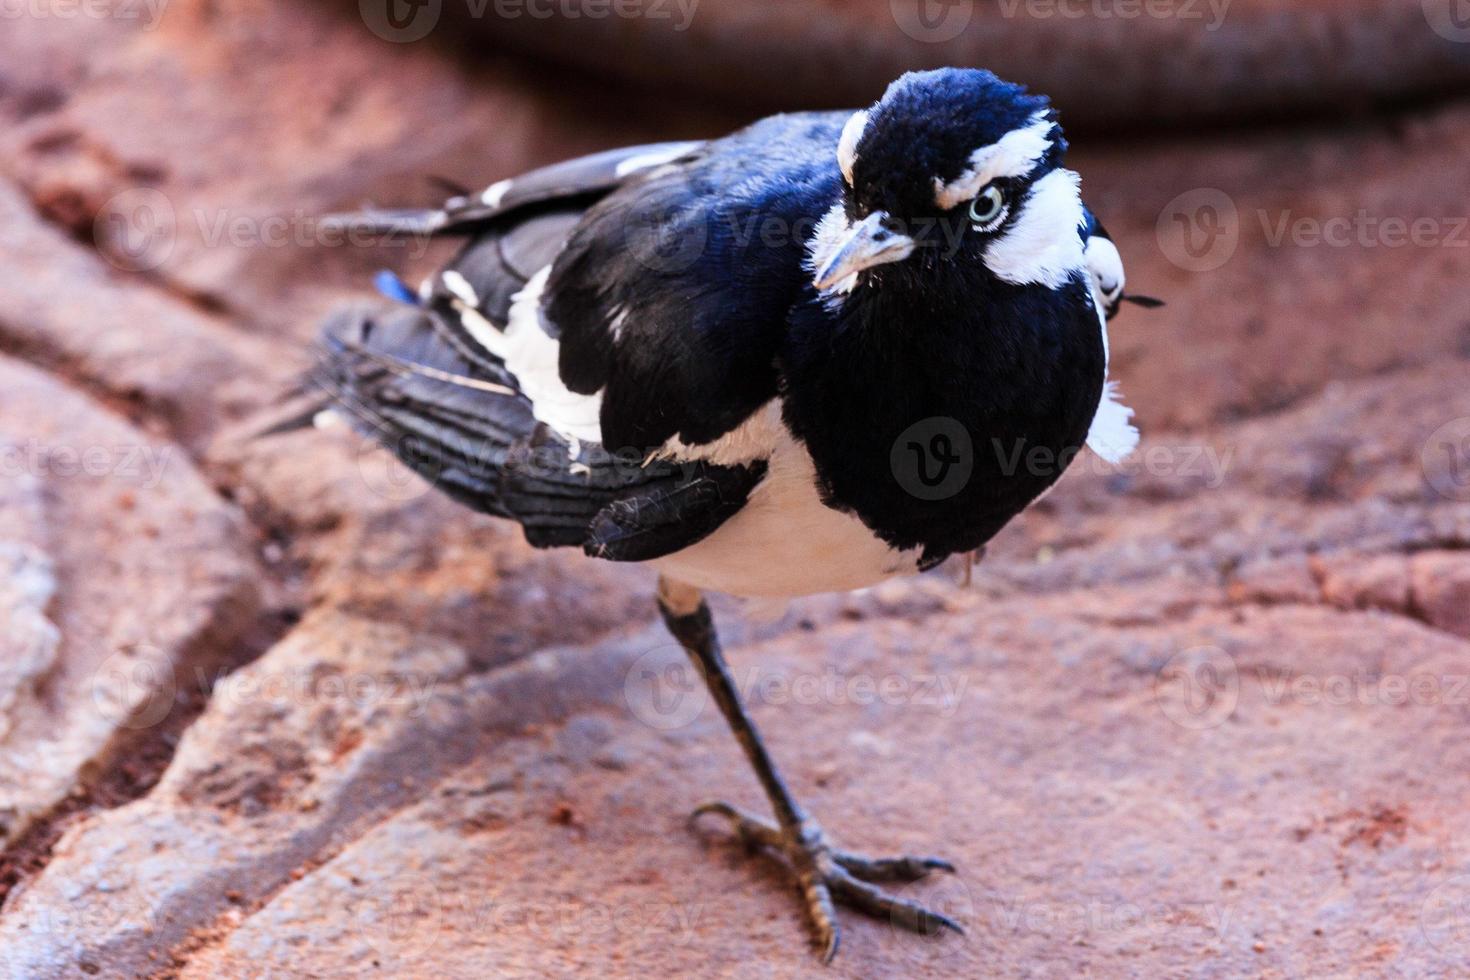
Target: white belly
x,y
785,542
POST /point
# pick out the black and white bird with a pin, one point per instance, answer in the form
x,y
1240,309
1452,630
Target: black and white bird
x,y
798,359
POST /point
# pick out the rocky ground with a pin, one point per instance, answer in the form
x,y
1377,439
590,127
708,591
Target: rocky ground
x,y
271,708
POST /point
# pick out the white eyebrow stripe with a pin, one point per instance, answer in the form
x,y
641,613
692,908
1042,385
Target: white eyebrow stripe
x,y
1015,155
852,134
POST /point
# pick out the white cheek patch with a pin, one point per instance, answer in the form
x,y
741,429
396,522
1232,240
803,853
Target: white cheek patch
x,y
1043,246
852,134
830,233
1016,155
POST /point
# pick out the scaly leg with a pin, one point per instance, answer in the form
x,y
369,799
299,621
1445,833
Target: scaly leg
x,y
822,872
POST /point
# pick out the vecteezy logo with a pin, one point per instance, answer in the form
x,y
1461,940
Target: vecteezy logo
x,y
932,21
1444,918
1198,688
401,479
664,690
134,687
933,459
946,895
1199,230
136,230
401,915
1450,19
1445,457
401,21
664,239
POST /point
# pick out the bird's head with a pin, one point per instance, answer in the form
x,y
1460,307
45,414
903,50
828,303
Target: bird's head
x,y
951,168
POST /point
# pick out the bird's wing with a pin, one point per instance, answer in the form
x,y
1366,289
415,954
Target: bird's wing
x,y
562,280
671,297
464,426
561,182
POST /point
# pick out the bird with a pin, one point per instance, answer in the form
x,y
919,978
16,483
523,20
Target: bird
x,y
829,349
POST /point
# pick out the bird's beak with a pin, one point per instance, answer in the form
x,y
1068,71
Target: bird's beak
x,y
868,243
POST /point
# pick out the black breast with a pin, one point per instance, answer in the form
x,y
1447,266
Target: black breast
x,y
937,419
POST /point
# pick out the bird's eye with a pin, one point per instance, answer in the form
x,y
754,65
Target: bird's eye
x,y
988,209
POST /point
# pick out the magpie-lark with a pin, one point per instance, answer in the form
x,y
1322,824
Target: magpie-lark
x,y
751,363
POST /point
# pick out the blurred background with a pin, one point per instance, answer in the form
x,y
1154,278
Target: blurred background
x,y
270,708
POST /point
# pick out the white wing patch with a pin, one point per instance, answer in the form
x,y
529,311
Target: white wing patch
x,y
533,357
492,195
643,161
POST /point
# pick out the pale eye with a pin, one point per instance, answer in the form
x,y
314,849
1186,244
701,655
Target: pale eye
x,y
988,209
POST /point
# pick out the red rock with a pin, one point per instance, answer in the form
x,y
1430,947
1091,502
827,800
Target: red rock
x,y
1358,582
372,793
1441,589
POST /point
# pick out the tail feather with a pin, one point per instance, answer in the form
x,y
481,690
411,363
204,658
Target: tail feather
x,y
464,425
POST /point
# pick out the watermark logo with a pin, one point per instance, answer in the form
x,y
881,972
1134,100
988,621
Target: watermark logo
x,y
1445,458
134,688
933,459
139,465
1450,19
407,21
400,474
945,895
148,13
666,239
401,21
402,916
1198,688
1213,12
664,690
1444,918
932,21
136,230
1199,230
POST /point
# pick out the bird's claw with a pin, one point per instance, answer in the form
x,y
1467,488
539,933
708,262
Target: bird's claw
x,y
827,875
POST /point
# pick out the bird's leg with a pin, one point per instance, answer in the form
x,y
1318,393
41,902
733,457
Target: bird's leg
x,y
822,872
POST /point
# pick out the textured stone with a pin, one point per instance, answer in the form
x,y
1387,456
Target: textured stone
x,y
116,562
180,368
1134,65
1314,770
1231,669
1441,590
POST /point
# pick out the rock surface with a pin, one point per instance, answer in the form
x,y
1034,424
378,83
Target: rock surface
x,y
277,710
1113,63
120,568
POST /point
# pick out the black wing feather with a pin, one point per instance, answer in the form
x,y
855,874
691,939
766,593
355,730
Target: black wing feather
x,y
464,427
672,294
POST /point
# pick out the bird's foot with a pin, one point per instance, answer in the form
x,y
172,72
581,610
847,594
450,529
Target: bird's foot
x,y
826,874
